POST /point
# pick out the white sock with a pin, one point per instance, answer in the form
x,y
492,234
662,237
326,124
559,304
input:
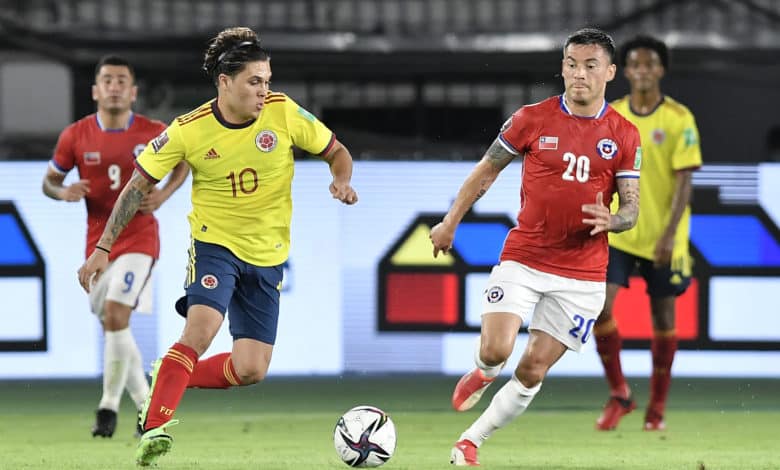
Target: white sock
x,y
137,386
507,404
117,351
487,371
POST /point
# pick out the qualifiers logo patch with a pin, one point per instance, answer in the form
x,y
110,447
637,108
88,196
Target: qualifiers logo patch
x,y
638,158
495,294
209,281
160,141
266,141
138,149
607,149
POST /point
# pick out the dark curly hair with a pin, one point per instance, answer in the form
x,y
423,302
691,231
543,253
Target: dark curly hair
x,y
230,50
587,36
645,42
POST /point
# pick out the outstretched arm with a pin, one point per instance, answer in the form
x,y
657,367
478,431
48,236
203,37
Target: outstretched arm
x,y
476,185
340,162
124,210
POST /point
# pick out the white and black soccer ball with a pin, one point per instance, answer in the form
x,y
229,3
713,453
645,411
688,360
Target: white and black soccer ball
x,y
364,437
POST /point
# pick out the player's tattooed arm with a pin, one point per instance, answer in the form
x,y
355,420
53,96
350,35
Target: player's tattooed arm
x,y
498,156
628,208
478,182
125,208
483,176
498,159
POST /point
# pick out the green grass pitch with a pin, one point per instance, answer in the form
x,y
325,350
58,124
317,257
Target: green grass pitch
x,y
287,423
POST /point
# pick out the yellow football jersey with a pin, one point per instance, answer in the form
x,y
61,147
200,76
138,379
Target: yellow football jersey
x,y
670,142
241,174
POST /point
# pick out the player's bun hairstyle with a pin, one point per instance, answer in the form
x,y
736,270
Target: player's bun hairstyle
x,y
230,50
587,36
645,42
112,59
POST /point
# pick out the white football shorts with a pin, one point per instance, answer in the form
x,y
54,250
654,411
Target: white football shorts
x,y
126,280
562,307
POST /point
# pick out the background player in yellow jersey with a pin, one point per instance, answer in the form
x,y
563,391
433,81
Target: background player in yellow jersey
x,y
658,245
239,147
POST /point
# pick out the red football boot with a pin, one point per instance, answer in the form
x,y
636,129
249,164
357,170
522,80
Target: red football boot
x,y
614,410
464,454
469,390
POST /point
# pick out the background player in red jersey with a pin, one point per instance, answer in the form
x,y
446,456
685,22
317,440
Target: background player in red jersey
x,y
575,149
658,246
103,146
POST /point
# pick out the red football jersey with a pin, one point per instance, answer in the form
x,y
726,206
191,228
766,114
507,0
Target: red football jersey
x,y
568,159
105,157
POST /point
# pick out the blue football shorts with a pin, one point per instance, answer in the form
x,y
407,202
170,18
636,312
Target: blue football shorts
x,y
248,293
661,281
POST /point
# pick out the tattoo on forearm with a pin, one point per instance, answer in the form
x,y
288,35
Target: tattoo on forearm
x,y
628,211
125,209
620,223
498,156
484,185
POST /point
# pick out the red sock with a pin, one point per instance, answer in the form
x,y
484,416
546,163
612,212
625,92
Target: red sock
x,y
172,379
663,346
214,372
608,345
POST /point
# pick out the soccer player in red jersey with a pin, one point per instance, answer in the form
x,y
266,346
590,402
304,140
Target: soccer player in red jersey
x,y
576,151
103,147
658,247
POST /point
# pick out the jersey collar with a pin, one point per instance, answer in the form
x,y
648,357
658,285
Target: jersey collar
x,y
566,109
119,129
221,119
637,113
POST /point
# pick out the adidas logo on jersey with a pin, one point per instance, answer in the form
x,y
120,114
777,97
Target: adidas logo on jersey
x,y
211,154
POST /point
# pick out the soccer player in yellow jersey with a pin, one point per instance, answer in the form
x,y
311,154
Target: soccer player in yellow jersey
x,y
658,245
239,147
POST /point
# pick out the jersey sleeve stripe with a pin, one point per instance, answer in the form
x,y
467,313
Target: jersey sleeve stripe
x,y
196,111
144,173
626,174
183,121
274,100
53,165
327,148
507,146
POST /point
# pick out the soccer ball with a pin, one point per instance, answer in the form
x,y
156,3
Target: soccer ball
x,y
364,437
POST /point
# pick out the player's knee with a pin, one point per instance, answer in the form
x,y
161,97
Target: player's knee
x,y
494,353
663,323
116,316
531,371
251,375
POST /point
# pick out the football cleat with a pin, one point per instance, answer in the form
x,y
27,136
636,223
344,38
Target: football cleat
x,y
154,444
654,421
469,390
614,410
139,430
105,423
464,454
145,408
